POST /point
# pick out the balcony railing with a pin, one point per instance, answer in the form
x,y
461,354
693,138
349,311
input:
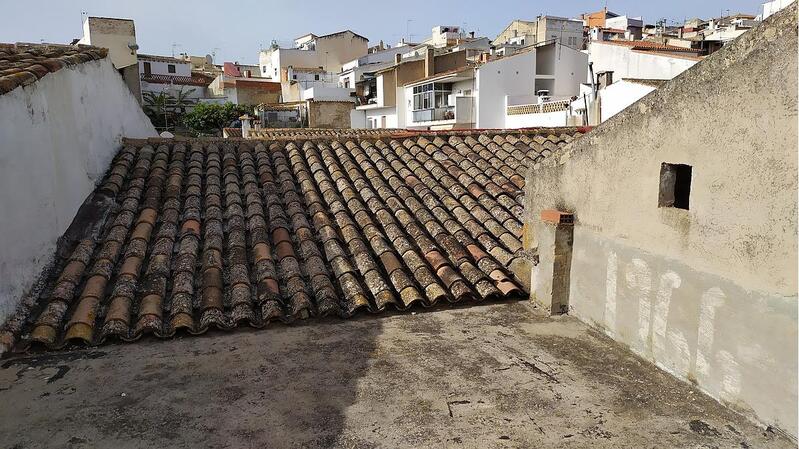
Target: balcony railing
x,y
430,115
553,106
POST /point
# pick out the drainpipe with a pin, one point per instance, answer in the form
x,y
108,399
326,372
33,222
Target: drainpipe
x,y
593,82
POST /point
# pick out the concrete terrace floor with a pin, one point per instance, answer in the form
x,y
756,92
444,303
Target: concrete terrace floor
x,y
489,376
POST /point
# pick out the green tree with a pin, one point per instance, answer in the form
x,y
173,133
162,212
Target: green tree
x,y
166,110
210,118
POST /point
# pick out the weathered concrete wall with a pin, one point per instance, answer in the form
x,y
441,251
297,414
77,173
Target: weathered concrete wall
x,y
329,114
709,293
57,137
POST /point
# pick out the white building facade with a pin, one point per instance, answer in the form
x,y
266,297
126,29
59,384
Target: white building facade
x,y
511,90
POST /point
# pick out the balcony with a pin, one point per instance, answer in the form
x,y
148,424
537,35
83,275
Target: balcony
x,y
434,114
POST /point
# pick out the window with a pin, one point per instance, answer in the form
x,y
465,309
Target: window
x,y
675,185
432,95
294,77
316,77
170,68
148,69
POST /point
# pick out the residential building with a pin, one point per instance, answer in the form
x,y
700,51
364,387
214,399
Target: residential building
x,y
568,32
531,88
355,70
633,26
59,131
673,228
314,83
330,52
607,34
443,101
626,71
203,64
381,96
173,76
725,29
640,59
119,37
598,19
379,93
237,84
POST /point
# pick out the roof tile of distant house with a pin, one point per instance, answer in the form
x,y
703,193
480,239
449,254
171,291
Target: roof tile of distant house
x,y
651,46
196,79
333,35
23,64
157,58
218,233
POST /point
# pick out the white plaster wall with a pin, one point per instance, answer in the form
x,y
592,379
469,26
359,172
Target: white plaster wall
x,y
626,63
571,67
619,95
328,93
162,68
402,104
376,114
357,119
513,75
57,138
545,119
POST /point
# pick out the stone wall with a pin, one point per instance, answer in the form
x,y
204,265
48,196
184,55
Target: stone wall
x,y
329,114
708,293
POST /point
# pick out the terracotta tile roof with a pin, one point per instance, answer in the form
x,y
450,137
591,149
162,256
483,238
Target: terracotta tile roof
x,y
196,79
23,64
231,132
168,59
651,46
220,233
308,133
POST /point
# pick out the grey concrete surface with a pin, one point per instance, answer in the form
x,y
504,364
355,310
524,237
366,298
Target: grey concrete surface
x,y
494,375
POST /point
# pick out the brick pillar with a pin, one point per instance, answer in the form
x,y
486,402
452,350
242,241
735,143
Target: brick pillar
x,y
551,278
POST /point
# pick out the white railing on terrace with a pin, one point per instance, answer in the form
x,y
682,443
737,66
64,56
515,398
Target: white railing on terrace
x,y
552,106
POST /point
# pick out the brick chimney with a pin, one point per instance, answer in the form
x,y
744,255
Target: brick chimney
x,y
429,62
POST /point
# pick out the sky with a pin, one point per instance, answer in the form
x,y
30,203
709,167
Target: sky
x,y
236,30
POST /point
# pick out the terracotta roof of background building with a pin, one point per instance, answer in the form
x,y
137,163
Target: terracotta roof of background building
x,y
219,233
334,34
22,64
169,59
231,132
313,133
651,46
196,79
